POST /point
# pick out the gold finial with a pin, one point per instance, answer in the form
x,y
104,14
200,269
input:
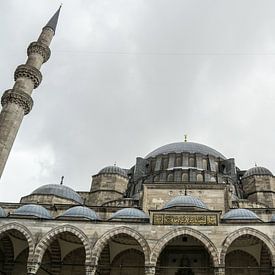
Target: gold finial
x,y
185,138
62,178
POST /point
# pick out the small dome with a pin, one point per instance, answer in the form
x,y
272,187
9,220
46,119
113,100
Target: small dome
x,y
2,213
58,190
240,214
273,218
113,170
184,201
33,210
129,213
257,171
188,147
81,212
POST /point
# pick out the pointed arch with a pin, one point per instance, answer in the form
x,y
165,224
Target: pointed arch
x,y
247,231
103,240
25,232
50,236
211,248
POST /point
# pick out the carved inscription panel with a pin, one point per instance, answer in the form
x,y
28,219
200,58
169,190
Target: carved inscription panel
x,y
185,219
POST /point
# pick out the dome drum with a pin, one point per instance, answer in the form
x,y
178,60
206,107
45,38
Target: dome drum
x,y
184,161
178,175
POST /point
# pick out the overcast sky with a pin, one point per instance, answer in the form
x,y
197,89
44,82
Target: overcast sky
x,y
128,76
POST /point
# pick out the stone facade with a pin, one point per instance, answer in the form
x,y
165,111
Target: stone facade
x,y
183,209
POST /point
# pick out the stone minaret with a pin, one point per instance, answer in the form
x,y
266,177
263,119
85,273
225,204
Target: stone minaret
x,y
17,101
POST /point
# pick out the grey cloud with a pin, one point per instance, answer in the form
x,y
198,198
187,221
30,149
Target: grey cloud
x,y
128,76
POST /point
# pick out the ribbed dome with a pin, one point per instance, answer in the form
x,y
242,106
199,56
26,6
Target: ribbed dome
x,y
81,212
273,218
257,171
113,170
129,213
33,210
189,147
58,190
240,214
2,213
185,201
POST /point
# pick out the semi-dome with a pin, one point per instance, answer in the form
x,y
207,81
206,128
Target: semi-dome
x,y
240,214
33,210
129,213
82,212
58,190
257,171
185,201
188,147
113,170
2,213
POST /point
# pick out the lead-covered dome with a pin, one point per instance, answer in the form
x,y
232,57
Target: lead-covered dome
x,y
81,212
185,201
113,170
58,190
257,171
129,213
182,147
33,210
240,214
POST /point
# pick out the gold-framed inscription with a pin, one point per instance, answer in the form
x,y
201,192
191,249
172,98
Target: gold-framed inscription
x,y
185,219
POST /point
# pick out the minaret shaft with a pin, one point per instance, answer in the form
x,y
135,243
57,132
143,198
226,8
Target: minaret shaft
x,y
17,101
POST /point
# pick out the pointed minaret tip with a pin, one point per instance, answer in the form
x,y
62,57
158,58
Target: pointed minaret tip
x,y
53,21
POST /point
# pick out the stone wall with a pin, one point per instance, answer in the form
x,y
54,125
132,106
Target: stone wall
x,y
156,195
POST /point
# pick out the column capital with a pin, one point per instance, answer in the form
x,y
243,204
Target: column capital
x,y
18,97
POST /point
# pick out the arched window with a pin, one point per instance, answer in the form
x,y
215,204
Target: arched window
x,y
170,177
199,177
184,177
192,162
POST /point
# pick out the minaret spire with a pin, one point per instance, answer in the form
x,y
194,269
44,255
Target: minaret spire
x,y
53,21
17,101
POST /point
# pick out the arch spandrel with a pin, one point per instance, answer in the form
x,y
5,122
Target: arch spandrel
x,y
247,231
103,240
25,232
208,244
47,239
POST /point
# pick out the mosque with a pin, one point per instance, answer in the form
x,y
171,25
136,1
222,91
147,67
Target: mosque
x,y
183,209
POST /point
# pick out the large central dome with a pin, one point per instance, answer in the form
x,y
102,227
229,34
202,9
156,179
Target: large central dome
x,y
188,147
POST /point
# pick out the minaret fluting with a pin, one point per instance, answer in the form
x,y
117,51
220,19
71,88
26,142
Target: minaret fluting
x,y
17,101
